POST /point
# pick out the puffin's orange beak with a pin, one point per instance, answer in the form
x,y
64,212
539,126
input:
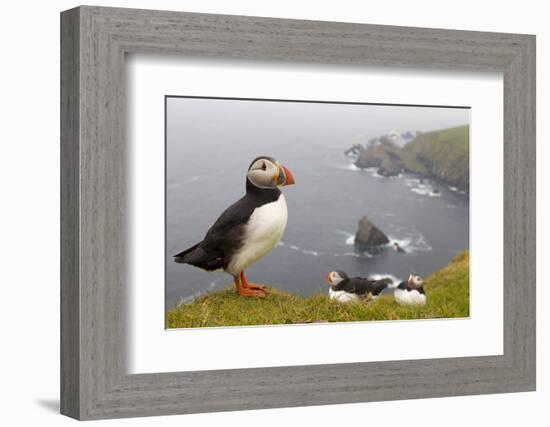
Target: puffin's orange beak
x,y
289,178
327,279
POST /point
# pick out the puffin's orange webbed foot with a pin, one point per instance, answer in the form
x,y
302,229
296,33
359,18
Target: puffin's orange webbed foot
x,y
255,286
246,290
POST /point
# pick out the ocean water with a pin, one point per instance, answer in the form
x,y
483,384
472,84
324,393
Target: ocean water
x,y
210,144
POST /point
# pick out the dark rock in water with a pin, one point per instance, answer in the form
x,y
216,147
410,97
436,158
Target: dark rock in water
x,y
369,237
398,248
435,191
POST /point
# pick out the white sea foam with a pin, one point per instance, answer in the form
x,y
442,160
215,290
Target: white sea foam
x,y
427,191
412,243
456,190
422,186
308,252
395,280
374,172
191,298
349,166
352,254
298,249
316,253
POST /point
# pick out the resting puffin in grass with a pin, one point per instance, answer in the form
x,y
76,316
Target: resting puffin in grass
x,y
345,289
246,230
411,292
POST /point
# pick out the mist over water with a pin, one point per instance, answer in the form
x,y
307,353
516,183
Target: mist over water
x,y
210,144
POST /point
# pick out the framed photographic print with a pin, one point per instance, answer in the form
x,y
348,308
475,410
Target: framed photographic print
x,y
262,213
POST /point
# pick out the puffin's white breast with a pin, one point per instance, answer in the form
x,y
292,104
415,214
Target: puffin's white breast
x,y
404,297
342,296
262,233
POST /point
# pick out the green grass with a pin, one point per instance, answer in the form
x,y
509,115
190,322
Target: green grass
x,y
443,154
447,290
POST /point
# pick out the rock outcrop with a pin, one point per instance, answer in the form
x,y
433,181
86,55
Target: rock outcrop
x,y
382,154
369,237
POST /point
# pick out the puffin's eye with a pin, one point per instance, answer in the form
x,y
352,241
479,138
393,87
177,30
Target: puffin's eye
x,y
264,167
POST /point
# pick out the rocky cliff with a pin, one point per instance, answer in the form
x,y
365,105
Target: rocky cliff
x,y
442,155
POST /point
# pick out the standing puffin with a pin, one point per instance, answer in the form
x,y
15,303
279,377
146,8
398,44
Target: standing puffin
x,y
345,289
411,292
246,230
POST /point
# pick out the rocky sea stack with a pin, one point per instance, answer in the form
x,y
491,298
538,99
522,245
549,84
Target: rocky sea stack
x,y
369,237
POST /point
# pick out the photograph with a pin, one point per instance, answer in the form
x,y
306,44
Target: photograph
x,y
299,212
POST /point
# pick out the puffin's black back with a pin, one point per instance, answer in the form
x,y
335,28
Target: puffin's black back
x,y
226,236
362,286
377,286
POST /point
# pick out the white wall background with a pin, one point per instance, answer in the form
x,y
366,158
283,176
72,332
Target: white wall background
x,y
29,225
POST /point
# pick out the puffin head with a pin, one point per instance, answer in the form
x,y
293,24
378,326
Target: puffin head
x,y
335,277
415,281
266,172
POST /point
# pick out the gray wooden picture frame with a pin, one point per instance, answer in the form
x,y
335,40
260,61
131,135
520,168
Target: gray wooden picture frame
x,y
94,41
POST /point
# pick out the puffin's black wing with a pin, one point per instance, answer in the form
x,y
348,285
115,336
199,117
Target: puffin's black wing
x,y
355,285
222,240
183,254
362,286
196,255
377,286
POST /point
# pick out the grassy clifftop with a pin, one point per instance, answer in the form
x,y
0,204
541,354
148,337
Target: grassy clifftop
x,y
447,290
442,154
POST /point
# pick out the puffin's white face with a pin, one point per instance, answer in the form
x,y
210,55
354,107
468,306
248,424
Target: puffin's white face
x,y
335,277
415,280
266,172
